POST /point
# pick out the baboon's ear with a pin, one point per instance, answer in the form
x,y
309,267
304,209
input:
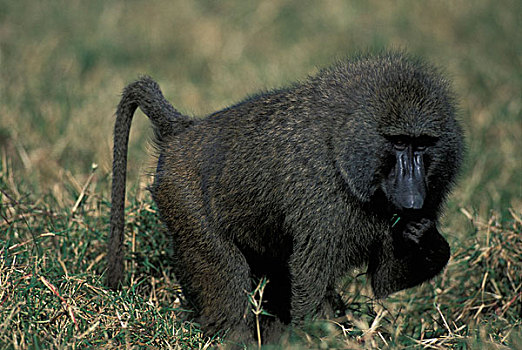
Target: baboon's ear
x,y
359,162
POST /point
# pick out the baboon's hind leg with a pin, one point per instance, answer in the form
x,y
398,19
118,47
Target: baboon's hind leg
x,y
215,279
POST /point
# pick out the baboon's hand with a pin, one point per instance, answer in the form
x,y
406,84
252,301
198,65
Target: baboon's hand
x,y
415,230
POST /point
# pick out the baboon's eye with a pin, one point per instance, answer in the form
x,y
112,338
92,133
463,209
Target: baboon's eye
x,y
424,142
399,145
399,142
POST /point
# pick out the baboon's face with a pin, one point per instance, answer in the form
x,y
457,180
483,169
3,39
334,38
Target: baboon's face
x,y
394,135
405,185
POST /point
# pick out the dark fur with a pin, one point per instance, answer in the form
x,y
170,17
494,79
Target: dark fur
x,y
288,184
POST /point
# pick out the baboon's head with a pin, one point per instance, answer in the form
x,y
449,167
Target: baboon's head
x,y
396,135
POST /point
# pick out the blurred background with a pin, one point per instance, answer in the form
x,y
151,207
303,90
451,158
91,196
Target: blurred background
x,y
63,65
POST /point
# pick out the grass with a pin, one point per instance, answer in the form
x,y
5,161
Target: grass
x,y
62,67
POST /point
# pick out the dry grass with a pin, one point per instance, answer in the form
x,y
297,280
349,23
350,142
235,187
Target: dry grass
x,y
52,294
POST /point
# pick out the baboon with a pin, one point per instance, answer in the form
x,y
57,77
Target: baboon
x,y
349,168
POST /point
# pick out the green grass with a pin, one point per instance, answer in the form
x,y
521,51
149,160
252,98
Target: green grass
x,y
63,65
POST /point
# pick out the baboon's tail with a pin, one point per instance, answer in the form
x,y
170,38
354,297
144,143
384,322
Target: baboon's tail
x,y
146,94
